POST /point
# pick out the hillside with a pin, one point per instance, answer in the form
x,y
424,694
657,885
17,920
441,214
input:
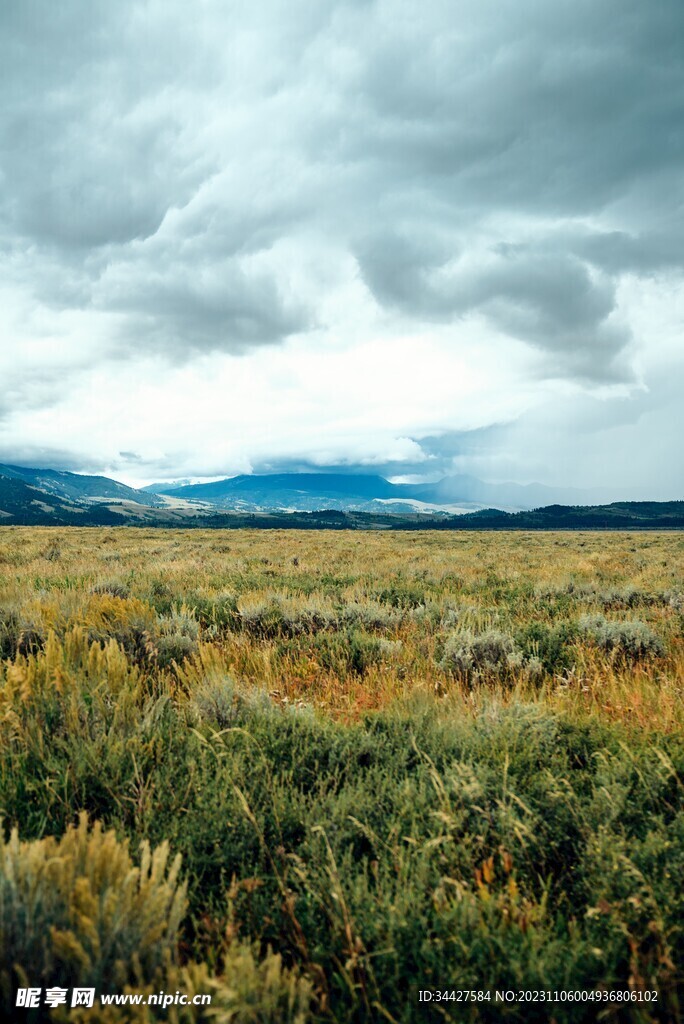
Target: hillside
x,y
24,505
78,487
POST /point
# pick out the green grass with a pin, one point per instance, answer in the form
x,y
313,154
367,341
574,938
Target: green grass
x,y
403,824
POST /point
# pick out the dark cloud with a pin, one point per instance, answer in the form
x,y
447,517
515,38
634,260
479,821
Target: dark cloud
x,y
91,155
98,146
501,133
515,105
212,307
432,123
48,457
354,466
451,444
551,301
649,252
28,389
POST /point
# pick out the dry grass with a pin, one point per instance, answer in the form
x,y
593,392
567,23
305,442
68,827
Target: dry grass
x,y
420,588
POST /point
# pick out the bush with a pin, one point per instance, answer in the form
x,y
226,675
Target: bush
x,y
402,595
352,650
115,588
217,614
486,656
370,615
19,634
550,644
306,620
276,618
630,638
131,623
625,597
255,988
178,637
221,703
77,911
263,619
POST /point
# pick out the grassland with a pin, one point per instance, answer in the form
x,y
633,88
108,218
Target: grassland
x,y
323,771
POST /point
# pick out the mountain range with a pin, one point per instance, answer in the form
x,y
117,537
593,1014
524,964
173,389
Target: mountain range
x,y
360,492
308,501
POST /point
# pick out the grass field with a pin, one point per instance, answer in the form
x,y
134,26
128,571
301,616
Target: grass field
x,y
324,771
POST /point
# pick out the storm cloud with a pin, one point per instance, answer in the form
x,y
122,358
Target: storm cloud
x,y
185,185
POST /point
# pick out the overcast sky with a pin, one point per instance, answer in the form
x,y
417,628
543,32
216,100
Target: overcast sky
x,y
421,238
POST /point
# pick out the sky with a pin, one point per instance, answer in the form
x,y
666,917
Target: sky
x,y
415,239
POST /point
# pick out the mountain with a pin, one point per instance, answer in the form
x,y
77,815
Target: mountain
x,y
297,492
358,492
310,501
43,503
356,485
75,487
53,497
26,505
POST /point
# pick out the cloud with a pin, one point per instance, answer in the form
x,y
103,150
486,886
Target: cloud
x,y
628,448
185,308
647,253
551,301
310,179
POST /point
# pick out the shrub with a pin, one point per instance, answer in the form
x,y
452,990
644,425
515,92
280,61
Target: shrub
x,y
277,618
625,597
115,588
370,650
19,634
178,637
307,620
76,910
630,638
160,596
550,644
131,623
263,619
370,615
354,651
216,614
255,988
402,595
9,632
221,703
489,655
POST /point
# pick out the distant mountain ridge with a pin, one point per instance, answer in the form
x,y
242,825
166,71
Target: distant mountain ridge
x,y
51,497
76,486
363,492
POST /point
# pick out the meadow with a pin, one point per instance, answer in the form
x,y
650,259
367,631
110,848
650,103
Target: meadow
x,y
315,773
